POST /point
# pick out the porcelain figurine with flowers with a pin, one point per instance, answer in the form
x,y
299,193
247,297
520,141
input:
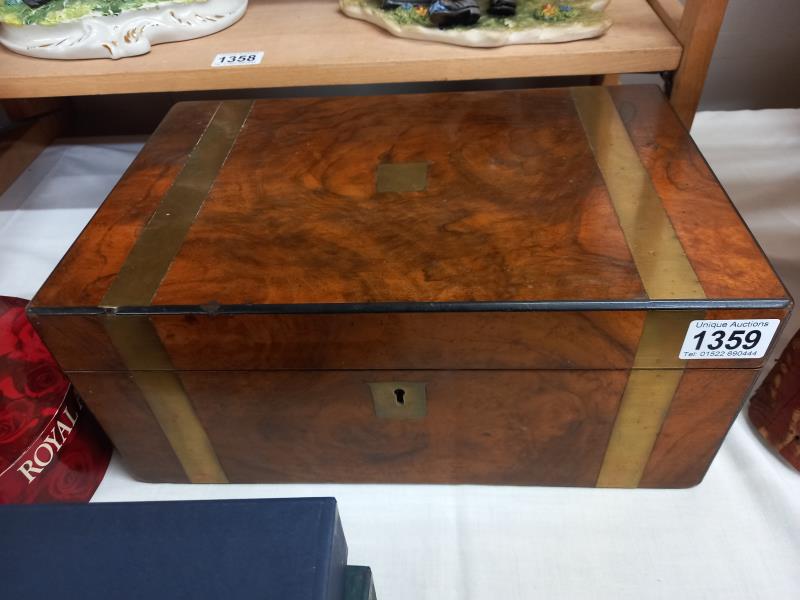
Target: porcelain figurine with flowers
x,y
72,29
485,23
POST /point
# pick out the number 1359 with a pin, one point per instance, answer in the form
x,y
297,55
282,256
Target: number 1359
x,y
730,340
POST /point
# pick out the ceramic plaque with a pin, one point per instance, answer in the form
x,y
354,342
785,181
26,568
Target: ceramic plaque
x,y
485,23
74,29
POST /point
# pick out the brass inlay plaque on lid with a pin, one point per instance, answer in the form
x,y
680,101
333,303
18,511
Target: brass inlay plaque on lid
x,y
402,177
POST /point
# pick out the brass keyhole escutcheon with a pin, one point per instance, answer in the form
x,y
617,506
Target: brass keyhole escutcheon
x,y
400,396
399,399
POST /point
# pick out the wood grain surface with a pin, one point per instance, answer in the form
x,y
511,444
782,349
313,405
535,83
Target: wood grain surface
x,y
702,411
543,427
531,340
506,428
728,261
515,208
120,408
80,342
442,340
84,275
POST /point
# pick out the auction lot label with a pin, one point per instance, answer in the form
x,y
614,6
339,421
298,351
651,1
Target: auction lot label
x,y
715,339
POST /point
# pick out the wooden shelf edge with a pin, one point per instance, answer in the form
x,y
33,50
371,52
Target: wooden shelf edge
x,y
334,50
320,75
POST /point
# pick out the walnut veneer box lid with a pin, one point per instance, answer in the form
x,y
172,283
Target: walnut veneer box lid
x,y
560,201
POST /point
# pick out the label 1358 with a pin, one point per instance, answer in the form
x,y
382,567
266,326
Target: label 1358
x,y
237,59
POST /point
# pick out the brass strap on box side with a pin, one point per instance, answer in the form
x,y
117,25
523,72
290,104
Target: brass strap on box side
x,y
662,337
666,274
140,348
137,282
643,410
656,374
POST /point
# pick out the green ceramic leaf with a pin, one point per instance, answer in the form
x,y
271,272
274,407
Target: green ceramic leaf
x,y
15,12
530,13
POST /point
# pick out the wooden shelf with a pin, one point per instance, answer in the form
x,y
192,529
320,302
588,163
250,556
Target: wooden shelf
x,y
309,42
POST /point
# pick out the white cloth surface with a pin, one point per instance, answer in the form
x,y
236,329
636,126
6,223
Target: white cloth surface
x,y
756,157
43,212
736,536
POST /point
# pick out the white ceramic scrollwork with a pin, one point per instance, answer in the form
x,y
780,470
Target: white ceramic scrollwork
x,y
129,33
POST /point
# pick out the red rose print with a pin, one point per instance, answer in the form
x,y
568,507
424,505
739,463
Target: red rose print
x,y
31,385
9,328
8,388
40,460
44,378
82,464
16,419
70,481
18,339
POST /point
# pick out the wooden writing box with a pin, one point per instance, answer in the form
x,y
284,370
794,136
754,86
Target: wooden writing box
x,y
455,288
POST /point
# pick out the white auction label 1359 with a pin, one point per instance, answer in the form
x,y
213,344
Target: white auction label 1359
x,y
739,338
237,59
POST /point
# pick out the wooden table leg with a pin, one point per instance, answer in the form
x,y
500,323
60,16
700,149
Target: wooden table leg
x,y
698,31
35,124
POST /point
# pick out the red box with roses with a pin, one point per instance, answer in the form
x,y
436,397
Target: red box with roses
x,y
51,448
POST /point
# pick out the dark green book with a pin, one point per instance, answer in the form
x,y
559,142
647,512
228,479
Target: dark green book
x,y
358,584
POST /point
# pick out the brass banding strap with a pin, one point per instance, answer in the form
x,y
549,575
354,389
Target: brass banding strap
x,y
162,237
141,350
662,337
666,274
137,282
653,381
645,404
664,269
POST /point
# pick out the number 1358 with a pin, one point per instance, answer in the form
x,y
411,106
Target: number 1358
x,y
241,58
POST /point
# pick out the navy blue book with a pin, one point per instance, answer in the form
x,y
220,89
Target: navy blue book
x,y
267,549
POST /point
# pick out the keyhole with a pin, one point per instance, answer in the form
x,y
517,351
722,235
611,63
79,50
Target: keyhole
x,y
400,396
